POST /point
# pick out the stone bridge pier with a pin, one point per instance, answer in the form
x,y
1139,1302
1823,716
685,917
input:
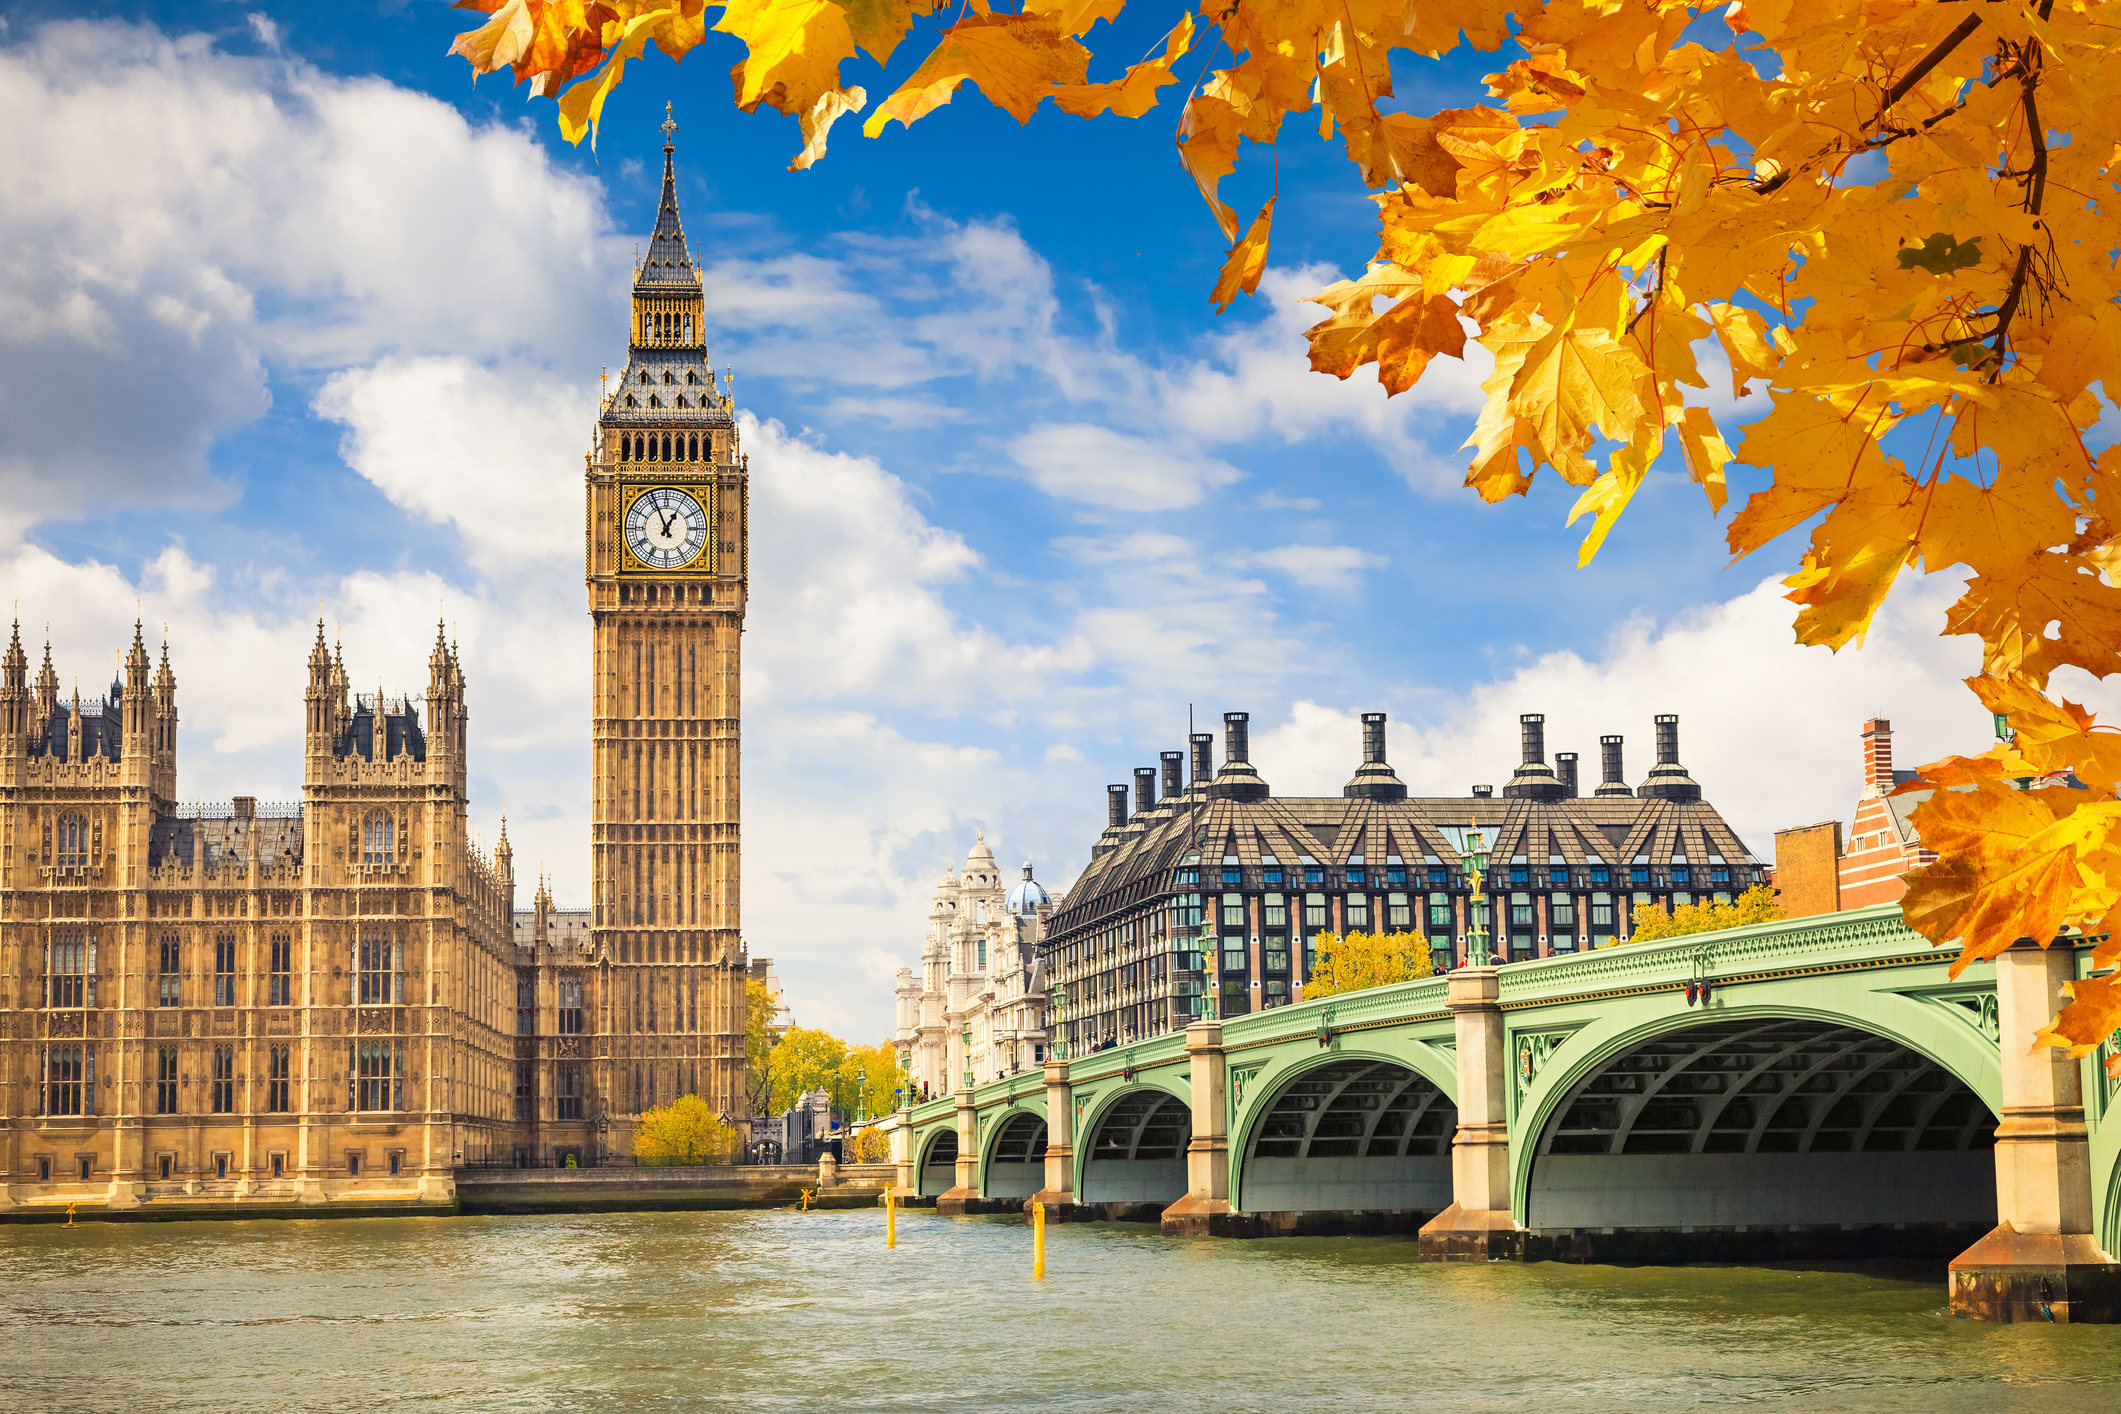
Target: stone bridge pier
x,y
2042,1262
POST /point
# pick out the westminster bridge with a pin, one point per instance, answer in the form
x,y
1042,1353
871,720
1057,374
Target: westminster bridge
x,y
1810,1089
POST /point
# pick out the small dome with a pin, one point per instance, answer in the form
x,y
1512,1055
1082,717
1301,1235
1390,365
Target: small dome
x,y
1028,897
980,854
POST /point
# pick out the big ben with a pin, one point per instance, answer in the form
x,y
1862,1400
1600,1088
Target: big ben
x,y
667,559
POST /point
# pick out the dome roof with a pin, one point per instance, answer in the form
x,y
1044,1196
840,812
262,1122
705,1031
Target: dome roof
x,y
980,854
1028,897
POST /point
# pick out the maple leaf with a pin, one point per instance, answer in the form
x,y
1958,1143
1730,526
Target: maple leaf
x,y
1413,329
1133,93
1016,60
1941,254
2092,1015
1247,259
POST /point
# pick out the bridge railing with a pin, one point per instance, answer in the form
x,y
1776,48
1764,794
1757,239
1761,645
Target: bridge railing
x,y
1868,932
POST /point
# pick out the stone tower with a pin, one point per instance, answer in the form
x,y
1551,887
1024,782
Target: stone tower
x,y
666,560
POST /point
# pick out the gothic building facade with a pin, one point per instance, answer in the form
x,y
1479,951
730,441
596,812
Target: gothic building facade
x,y
667,560
301,1003
336,1000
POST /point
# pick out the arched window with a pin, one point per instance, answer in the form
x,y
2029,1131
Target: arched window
x,y
647,327
379,838
645,378
669,377
666,446
73,841
691,377
630,401
692,446
654,401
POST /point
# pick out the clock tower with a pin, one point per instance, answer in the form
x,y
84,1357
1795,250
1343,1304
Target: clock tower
x,y
667,561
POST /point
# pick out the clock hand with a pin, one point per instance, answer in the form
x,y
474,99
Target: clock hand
x,y
668,521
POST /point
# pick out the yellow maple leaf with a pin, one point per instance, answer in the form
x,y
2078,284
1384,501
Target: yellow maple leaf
x,y
1016,60
1577,379
2092,1015
1133,93
1413,329
1247,259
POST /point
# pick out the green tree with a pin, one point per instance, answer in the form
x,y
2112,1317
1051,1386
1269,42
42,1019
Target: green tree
x,y
867,1081
1359,961
806,1059
1755,905
685,1131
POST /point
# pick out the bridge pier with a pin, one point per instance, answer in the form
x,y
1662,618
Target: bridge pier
x,y
1057,1194
963,1195
2042,1262
1478,1226
1205,1210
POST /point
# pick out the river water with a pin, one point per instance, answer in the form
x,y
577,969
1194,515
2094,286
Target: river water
x,y
784,1310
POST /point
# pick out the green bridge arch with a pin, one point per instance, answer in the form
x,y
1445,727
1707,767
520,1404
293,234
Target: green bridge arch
x,y
1563,1020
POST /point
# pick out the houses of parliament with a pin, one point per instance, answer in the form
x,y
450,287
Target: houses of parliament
x,y
336,1001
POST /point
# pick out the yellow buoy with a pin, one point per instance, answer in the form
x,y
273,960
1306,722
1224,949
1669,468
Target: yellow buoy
x,y
806,1199
890,1219
1038,1241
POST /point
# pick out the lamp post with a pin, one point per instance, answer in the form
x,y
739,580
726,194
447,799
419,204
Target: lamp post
x,y
967,1035
1476,858
1056,1037
1208,946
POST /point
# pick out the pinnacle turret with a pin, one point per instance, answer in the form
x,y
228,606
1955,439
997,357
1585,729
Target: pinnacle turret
x,y
669,262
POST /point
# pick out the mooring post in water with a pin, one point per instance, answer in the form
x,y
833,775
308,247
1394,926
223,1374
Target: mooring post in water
x,y
890,1220
806,1192
1038,1241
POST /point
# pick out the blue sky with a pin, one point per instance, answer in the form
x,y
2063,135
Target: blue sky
x,y
297,313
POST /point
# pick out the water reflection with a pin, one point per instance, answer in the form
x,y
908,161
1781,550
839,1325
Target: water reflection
x,y
768,1311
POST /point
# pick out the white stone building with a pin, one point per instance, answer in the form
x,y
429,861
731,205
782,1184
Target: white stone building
x,y
978,1007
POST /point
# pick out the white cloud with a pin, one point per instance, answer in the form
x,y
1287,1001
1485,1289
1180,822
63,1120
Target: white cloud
x,y
1321,566
1061,751
483,449
1096,465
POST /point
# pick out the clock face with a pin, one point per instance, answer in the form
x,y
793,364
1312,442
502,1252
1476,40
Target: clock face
x,y
666,529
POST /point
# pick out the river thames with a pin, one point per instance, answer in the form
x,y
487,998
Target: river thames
x,y
783,1310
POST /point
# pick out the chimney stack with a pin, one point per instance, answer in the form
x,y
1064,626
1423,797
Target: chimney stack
x,y
1237,780
1533,779
1565,767
1612,773
1174,774
1115,807
1203,757
1668,779
1877,756
1374,779
1144,789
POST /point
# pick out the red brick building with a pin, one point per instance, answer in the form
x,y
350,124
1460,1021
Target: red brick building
x,y
1815,872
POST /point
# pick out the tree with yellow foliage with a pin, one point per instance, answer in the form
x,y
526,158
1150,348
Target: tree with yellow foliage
x,y
684,1131
1358,961
1755,905
869,1146
1893,218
